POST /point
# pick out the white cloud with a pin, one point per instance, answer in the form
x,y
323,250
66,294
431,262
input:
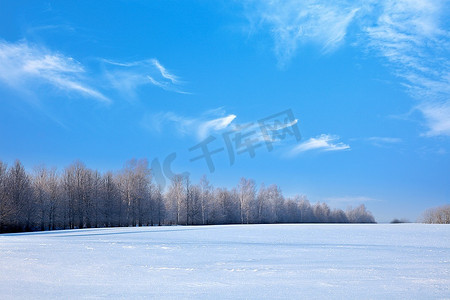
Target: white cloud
x,y
383,141
389,140
438,118
164,71
127,77
288,124
215,121
156,82
22,65
293,22
409,35
349,200
324,142
214,125
208,123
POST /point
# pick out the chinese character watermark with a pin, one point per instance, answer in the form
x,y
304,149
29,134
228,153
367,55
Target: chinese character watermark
x,y
239,140
247,138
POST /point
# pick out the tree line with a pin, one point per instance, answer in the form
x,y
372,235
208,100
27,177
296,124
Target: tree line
x,y
79,197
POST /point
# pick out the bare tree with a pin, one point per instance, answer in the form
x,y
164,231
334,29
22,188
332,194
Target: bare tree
x,y
205,194
247,191
306,212
160,209
219,203
20,191
175,198
42,194
187,198
293,214
111,201
55,203
75,187
7,210
276,199
134,184
47,197
195,207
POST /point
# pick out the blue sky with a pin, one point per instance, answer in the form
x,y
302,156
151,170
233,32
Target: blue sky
x,y
367,81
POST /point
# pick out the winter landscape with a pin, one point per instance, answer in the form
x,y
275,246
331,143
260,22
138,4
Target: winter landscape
x,y
250,149
290,261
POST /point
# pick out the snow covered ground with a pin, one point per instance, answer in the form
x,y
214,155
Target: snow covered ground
x,y
248,261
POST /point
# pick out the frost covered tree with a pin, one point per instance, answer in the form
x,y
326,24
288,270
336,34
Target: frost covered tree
x,y
111,204
75,188
160,208
195,208
247,191
188,199
7,209
175,198
360,215
20,191
339,216
437,215
277,202
265,207
43,182
306,212
224,207
134,183
205,195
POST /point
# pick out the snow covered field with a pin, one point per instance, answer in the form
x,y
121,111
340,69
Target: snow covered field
x,y
248,261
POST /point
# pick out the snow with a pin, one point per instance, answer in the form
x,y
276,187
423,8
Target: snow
x,y
235,261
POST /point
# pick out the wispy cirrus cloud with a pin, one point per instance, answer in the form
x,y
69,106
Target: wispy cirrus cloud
x,y
411,36
324,142
24,66
209,122
128,77
437,115
383,141
217,122
296,22
349,200
164,73
214,125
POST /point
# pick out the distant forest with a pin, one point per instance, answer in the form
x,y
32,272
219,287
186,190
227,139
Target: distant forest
x,y
79,197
